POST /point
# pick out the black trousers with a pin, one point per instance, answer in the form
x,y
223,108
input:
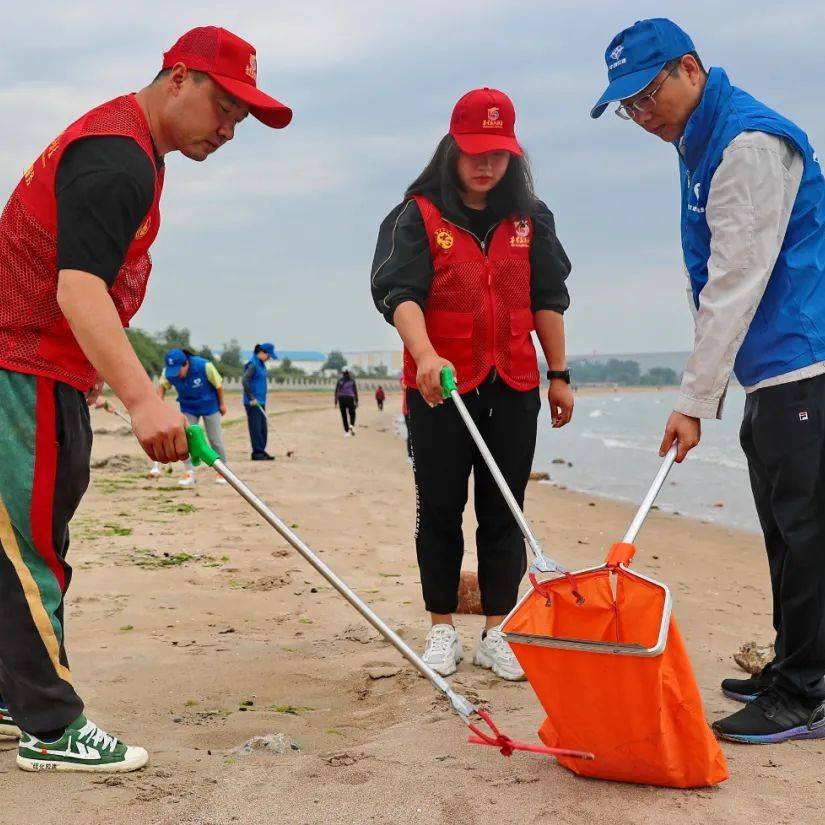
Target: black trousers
x,y
258,429
346,404
783,436
443,455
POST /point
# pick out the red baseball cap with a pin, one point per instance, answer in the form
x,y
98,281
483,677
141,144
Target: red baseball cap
x,y
484,120
232,64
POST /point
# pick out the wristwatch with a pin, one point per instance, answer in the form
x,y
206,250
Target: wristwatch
x,y
564,375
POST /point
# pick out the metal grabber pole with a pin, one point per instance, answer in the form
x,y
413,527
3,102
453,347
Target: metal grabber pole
x,y
201,451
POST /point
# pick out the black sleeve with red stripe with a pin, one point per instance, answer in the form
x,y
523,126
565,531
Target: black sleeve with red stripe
x,y
549,264
402,268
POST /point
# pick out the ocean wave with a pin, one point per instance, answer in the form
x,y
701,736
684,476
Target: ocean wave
x,y
709,455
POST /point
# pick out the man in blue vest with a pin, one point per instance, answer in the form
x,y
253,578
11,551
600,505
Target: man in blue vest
x,y
254,399
753,239
200,394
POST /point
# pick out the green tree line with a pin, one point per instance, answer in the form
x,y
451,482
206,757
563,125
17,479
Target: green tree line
x,y
623,373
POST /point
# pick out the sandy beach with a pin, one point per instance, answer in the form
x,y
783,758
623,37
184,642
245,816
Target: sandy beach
x,y
192,627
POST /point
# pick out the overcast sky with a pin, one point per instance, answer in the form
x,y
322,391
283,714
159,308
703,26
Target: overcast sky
x,y
273,237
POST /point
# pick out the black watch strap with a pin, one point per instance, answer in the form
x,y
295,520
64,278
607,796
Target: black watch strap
x,y
564,375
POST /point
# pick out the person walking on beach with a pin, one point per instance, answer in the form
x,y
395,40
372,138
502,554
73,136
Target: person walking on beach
x,y
200,395
753,240
380,395
74,265
465,268
346,397
254,399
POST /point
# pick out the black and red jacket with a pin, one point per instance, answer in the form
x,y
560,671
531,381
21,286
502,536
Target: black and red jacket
x,y
478,294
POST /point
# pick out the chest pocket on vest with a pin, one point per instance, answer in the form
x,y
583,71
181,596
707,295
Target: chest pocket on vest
x,y
451,334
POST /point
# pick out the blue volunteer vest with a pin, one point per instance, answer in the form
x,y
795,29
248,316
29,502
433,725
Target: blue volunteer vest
x,y
788,330
258,382
196,395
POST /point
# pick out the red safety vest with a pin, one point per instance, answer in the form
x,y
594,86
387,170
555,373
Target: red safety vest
x,y
478,311
35,337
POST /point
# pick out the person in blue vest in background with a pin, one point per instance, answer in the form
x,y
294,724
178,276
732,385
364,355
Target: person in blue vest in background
x,y
200,394
753,240
254,399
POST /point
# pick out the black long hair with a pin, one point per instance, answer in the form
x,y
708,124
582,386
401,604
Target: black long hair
x,y
513,195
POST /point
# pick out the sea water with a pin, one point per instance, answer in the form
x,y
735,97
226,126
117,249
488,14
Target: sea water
x,y
613,443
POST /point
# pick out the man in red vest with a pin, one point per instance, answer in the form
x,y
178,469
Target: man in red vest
x,y
74,266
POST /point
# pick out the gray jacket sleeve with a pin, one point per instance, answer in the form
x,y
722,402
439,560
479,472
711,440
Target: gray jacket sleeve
x,y
247,377
748,207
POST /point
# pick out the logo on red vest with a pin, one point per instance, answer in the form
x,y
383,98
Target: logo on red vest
x,y
493,120
252,67
522,236
444,238
143,228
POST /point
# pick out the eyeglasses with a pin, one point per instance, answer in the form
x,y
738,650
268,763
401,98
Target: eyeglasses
x,y
644,104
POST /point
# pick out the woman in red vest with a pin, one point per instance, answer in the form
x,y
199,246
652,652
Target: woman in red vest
x,y
466,267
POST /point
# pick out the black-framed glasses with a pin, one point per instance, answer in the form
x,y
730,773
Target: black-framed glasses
x,y
644,104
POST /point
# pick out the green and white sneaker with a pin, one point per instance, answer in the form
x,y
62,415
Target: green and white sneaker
x,y
8,730
83,747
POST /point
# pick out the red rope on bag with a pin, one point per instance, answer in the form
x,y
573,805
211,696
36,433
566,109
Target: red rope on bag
x,y
506,745
544,590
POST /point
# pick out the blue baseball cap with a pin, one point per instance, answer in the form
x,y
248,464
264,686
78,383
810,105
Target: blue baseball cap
x,y
175,359
268,348
636,55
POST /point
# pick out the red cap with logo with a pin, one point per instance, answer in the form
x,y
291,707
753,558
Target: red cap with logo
x,y
232,64
484,120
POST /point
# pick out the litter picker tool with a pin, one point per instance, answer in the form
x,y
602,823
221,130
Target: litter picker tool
x,y
541,563
274,431
111,408
474,717
154,471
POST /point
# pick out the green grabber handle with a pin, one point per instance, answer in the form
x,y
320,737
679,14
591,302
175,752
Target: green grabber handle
x,y
199,448
448,383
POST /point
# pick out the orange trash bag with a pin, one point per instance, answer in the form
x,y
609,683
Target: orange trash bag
x,y
606,660
602,651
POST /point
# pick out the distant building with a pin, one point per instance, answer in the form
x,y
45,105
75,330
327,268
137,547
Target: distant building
x,y
370,359
308,361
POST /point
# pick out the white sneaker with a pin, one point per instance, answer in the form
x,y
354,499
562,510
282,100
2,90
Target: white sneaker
x,y
187,480
155,471
443,651
352,429
220,480
495,654
347,433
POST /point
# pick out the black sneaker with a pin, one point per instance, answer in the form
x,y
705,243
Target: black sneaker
x,y
263,457
774,716
746,690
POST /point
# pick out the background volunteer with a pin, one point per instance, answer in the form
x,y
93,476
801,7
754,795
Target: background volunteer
x,y
254,399
346,397
74,266
200,394
753,240
470,243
